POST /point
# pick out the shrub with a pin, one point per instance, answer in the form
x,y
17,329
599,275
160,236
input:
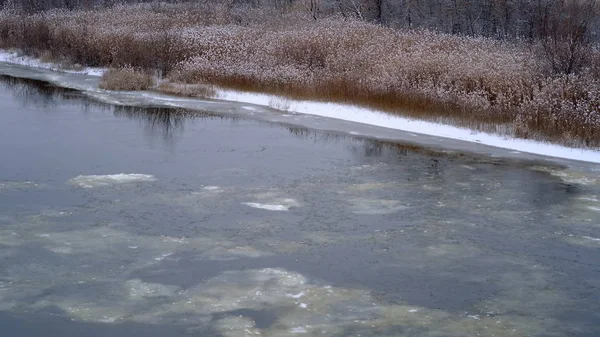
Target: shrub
x,y
126,78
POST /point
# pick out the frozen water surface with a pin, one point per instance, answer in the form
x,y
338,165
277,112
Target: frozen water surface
x,y
90,181
227,226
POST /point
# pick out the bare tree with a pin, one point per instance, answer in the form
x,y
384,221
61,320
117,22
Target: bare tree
x,y
313,7
566,33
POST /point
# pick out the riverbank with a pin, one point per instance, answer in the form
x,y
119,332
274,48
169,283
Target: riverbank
x,y
353,120
480,84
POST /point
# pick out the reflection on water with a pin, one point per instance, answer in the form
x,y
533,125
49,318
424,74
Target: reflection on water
x,y
248,229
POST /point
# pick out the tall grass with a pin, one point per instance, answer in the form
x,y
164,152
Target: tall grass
x,y
474,82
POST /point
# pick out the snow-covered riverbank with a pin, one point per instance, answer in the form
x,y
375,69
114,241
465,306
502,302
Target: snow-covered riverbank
x,y
357,115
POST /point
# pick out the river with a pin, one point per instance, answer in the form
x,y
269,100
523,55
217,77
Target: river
x,y
145,220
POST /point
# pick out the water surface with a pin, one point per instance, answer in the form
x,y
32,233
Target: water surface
x,y
150,221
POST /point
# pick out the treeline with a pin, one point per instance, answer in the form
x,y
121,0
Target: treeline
x,y
564,29
525,19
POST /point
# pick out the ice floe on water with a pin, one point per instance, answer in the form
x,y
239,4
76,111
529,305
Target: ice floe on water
x,y
268,207
591,238
323,311
570,176
212,188
233,253
19,185
139,289
374,186
236,302
272,201
590,204
91,181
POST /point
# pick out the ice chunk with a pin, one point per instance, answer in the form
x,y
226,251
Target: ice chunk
x,y
298,295
268,207
91,181
298,329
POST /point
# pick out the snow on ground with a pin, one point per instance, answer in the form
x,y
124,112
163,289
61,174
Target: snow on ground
x,y
356,114
16,58
372,117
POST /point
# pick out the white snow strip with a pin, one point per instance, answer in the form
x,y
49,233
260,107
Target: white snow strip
x,y
91,181
376,118
303,305
16,58
591,238
268,207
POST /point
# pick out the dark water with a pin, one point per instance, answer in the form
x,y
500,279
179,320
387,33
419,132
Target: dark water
x,y
236,227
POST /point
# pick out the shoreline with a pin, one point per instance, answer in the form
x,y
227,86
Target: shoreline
x,y
345,112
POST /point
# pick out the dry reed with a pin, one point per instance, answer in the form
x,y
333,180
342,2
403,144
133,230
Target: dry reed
x,y
127,79
473,82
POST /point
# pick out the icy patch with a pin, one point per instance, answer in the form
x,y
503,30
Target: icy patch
x,y
162,256
452,251
139,289
570,176
212,188
376,206
10,239
272,202
61,250
238,326
221,303
298,329
18,185
267,207
226,254
296,296
91,181
591,238
591,199
361,187
16,58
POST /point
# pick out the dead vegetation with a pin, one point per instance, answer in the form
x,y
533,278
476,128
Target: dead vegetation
x,y
473,82
126,79
187,90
